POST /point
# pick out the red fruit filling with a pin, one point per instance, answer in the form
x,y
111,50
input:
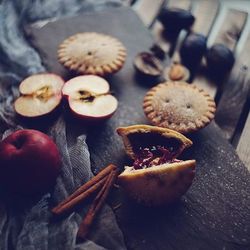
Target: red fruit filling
x,y
149,155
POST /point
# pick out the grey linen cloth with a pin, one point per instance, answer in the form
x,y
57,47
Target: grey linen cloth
x,y
27,223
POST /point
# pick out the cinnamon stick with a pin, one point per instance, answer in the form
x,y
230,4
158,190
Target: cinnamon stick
x,y
78,199
96,205
84,191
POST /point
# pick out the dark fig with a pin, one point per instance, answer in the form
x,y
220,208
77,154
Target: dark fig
x,y
175,19
147,64
220,59
192,50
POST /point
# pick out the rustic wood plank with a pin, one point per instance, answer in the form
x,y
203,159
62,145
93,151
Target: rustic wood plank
x,y
235,93
243,148
202,80
157,32
182,4
148,10
231,29
205,12
176,56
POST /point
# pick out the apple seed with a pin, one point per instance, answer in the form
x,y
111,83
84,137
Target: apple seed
x,y
42,94
87,96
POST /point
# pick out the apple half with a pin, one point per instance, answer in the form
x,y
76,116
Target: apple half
x,y
157,177
40,94
89,97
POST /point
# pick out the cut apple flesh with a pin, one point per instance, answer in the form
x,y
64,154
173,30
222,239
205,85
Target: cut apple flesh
x,y
100,106
33,107
40,95
89,96
87,83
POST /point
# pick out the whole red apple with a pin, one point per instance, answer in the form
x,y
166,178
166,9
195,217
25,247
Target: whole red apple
x,y
29,162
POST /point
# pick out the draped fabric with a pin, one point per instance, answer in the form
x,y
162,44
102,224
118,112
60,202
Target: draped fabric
x,y
27,223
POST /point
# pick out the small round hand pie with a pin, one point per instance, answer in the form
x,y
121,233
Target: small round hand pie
x,y
157,177
179,106
92,53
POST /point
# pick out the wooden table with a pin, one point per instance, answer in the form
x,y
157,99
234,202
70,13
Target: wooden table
x,y
214,213
225,22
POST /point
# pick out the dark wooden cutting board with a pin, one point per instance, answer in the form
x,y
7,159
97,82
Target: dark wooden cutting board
x,y
215,213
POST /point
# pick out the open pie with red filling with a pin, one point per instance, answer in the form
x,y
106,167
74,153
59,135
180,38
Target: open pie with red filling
x,y
156,176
